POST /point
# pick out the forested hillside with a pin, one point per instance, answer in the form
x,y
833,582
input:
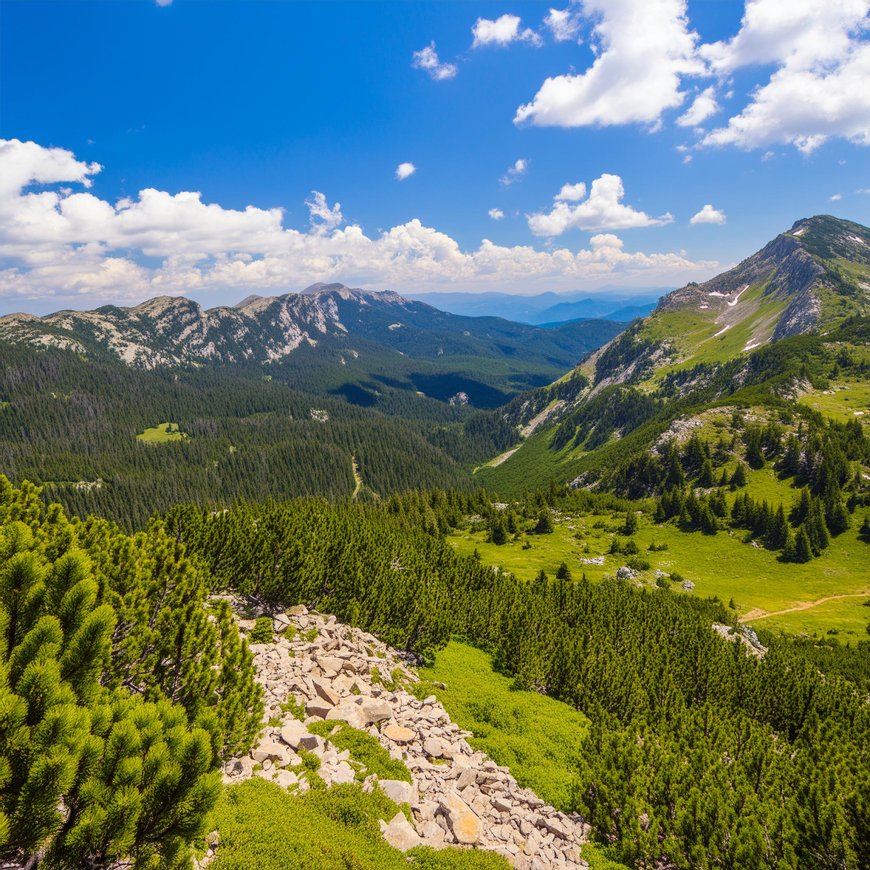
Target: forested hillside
x,y
699,754
72,425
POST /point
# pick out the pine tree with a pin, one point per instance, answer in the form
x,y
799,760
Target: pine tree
x,y
803,550
707,477
544,525
738,478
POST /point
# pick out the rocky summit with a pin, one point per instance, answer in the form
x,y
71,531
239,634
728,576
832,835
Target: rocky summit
x,y
457,795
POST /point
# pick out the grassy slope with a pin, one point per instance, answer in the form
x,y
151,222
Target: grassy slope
x,y
718,564
503,718
535,736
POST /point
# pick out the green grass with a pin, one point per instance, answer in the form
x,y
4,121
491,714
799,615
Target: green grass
x,y
535,736
162,433
695,331
720,564
842,619
365,750
262,827
842,400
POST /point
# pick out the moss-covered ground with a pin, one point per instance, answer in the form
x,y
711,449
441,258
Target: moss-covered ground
x,y
263,827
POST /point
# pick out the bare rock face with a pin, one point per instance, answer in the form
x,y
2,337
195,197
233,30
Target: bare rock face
x,y
458,796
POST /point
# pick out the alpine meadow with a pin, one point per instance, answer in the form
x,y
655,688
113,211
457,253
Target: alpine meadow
x,y
434,436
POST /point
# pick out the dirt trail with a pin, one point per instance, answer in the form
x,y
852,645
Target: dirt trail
x,y
357,476
804,605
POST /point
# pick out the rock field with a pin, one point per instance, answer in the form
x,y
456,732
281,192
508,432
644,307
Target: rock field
x,y
458,795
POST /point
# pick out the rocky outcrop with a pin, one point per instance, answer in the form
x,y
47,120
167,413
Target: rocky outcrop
x,y
458,796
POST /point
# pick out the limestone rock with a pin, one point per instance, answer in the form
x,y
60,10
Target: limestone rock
x,y
400,834
433,747
292,732
350,713
398,733
317,708
376,710
397,790
463,821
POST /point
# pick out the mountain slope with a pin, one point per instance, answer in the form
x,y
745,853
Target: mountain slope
x,y
812,276
169,331
779,325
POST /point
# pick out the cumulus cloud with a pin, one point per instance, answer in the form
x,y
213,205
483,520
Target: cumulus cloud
x,y
835,197
322,217
646,54
643,48
427,59
515,172
563,24
819,89
496,214
502,31
708,215
72,245
405,170
603,209
703,107
572,192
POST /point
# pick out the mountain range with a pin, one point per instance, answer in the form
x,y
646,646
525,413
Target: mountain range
x,y
173,330
608,303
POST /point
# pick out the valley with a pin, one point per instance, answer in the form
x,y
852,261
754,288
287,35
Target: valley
x,y
445,592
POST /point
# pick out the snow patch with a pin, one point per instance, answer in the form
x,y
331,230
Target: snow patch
x,y
740,292
723,330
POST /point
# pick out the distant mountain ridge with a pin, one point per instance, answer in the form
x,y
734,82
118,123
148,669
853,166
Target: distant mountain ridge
x,y
542,309
171,330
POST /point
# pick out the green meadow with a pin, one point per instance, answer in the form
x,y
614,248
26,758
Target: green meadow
x,y
725,564
162,433
537,737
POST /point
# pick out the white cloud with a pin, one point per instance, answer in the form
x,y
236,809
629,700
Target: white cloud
x,y
496,214
564,24
708,215
572,192
835,197
603,209
503,31
323,218
703,106
800,32
515,172
75,247
405,170
643,47
819,89
163,2
427,59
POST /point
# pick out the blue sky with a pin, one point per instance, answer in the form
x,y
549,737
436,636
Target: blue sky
x,y
659,108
